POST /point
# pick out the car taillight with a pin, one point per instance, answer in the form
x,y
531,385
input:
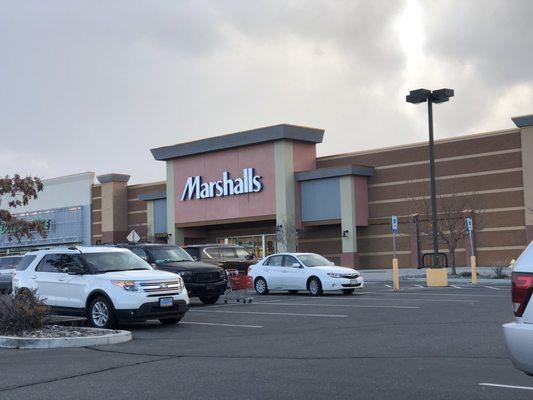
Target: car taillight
x,y
521,291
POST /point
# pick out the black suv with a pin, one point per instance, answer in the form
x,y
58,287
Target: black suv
x,y
227,256
205,281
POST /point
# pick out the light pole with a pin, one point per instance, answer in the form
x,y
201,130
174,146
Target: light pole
x,y
436,96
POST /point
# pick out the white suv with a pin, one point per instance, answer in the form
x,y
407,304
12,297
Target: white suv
x,y
519,334
106,285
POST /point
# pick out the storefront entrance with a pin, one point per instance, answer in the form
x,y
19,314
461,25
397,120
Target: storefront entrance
x,y
259,245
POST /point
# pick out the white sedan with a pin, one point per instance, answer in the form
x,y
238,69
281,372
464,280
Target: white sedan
x,y
519,334
303,271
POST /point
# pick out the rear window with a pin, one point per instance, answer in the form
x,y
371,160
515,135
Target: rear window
x,y
9,262
25,262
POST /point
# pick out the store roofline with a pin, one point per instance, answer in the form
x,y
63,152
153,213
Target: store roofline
x,y
333,172
238,139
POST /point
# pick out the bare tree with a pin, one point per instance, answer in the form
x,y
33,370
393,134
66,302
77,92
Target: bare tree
x,y
452,210
15,192
286,234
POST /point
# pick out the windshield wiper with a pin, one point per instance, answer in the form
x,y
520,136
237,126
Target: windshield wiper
x,y
169,260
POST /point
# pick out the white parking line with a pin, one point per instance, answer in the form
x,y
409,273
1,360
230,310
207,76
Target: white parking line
x,y
457,287
338,305
506,386
365,298
389,286
235,303
420,286
492,287
404,294
273,313
212,323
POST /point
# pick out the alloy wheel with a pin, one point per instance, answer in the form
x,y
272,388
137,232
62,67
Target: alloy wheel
x,y
260,286
100,314
314,287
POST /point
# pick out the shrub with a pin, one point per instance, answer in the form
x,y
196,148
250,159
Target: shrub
x,y
22,312
500,272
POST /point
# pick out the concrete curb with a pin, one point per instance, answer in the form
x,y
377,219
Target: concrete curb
x,y
14,342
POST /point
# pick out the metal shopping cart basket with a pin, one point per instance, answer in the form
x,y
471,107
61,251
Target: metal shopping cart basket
x,y
238,287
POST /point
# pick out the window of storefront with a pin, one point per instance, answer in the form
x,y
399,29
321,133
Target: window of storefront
x,y
259,245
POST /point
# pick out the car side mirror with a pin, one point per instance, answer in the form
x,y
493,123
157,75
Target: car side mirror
x,y
195,258
331,263
75,270
296,265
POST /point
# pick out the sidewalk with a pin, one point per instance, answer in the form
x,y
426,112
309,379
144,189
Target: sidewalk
x,y
419,275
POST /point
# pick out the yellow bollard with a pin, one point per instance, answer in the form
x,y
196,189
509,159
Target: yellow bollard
x,y
473,267
395,276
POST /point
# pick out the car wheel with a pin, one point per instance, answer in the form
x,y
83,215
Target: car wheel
x,y
348,292
101,313
261,286
169,321
293,291
209,299
315,286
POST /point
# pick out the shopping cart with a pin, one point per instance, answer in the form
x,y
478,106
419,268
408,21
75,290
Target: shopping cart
x,y
238,287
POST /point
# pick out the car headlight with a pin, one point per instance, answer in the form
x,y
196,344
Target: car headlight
x,y
130,286
334,275
185,274
223,274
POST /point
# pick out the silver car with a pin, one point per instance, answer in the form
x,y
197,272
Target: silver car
x,y
519,334
7,267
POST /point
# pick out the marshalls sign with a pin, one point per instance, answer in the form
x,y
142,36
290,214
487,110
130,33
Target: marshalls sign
x,y
195,188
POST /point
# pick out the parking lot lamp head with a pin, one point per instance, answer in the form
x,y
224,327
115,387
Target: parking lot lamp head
x,y
418,96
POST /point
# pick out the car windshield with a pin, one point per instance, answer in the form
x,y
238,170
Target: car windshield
x,y
169,254
114,261
313,260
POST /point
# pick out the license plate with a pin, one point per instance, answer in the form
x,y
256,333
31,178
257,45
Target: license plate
x,y
166,302
353,281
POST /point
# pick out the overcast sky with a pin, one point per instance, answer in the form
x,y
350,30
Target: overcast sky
x,y
93,85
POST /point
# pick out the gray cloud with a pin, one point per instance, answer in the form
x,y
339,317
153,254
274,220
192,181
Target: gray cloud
x,y
93,85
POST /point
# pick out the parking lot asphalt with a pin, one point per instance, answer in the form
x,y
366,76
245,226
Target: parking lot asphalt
x,y
439,343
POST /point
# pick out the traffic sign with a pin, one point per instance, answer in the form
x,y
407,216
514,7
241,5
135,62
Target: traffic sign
x,y
469,225
394,224
133,237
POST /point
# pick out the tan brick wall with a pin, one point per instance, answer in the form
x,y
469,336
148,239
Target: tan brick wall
x,y
489,165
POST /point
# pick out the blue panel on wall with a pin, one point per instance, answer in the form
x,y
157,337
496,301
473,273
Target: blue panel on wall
x,y
321,199
160,217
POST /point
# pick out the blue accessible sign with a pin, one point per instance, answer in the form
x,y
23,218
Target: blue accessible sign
x,y
394,224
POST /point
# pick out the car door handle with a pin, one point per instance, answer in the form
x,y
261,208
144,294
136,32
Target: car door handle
x,y
61,279
34,277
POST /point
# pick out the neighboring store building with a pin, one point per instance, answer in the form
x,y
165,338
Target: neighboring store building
x,y
267,190
64,205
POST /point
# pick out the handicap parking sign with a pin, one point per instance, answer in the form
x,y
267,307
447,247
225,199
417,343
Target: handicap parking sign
x,y
394,224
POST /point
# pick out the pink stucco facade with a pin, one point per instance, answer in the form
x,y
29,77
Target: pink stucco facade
x,y
210,167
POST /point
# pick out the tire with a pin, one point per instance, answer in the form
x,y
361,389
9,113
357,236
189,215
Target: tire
x,y
209,299
315,286
260,286
101,313
169,321
348,292
293,291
